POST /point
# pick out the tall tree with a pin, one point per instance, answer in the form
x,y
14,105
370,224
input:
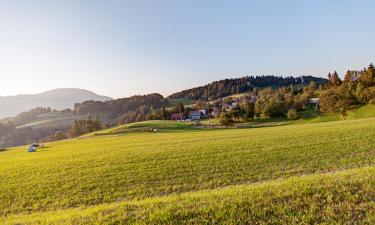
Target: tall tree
x,y
180,108
335,80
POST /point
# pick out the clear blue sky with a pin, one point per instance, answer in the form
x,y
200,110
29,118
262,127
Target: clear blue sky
x,y
122,48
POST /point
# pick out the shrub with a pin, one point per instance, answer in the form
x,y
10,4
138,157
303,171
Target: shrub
x,y
292,114
226,118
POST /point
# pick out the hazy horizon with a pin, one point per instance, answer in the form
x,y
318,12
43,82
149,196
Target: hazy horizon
x,y
160,92
125,48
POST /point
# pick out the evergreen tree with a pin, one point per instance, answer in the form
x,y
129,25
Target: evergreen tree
x,y
313,86
335,80
179,108
163,113
258,108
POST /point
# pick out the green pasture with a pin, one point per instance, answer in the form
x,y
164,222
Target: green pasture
x,y
118,167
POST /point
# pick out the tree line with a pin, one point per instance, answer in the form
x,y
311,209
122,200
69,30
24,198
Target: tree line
x,y
357,88
227,87
124,110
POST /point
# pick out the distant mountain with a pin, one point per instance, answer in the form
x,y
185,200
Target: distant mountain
x,y
59,99
227,87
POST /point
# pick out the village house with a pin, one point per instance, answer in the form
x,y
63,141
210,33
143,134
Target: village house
x,y
195,115
253,99
215,112
177,116
203,112
233,105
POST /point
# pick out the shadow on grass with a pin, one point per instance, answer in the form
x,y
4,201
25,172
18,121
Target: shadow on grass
x,y
148,130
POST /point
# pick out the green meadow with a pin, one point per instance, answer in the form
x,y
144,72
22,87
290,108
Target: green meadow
x,y
298,173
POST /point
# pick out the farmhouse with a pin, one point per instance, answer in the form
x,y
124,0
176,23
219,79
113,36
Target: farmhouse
x,y
177,116
195,115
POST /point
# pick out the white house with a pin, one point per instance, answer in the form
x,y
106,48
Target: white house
x,y
195,115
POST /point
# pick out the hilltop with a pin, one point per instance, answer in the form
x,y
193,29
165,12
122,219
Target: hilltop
x,y
227,87
58,99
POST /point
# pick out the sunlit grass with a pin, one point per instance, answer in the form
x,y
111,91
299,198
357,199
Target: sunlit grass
x,y
107,169
345,197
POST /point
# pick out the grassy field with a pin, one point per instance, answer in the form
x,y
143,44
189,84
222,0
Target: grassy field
x,y
146,126
58,119
366,111
301,173
174,101
309,116
345,197
53,119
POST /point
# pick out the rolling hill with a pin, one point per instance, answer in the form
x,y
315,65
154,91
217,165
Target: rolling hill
x,y
56,99
299,173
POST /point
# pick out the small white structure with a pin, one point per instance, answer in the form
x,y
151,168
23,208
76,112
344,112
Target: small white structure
x,y
203,111
314,101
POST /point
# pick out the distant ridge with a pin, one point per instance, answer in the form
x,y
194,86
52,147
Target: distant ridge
x,y
59,99
227,87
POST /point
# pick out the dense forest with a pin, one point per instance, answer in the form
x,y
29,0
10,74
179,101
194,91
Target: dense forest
x,y
227,87
122,110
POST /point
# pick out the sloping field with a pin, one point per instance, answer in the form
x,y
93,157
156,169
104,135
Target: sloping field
x,y
345,197
366,111
197,176
146,126
53,119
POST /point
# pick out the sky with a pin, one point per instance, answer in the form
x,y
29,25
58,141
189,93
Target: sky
x,y
122,48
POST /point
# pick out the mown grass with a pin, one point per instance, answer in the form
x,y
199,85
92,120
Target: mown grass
x,y
366,111
174,101
63,121
308,116
134,166
146,126
345,197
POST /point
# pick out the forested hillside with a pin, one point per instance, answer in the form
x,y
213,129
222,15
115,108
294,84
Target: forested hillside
x,y
122,110
223,88
86,117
